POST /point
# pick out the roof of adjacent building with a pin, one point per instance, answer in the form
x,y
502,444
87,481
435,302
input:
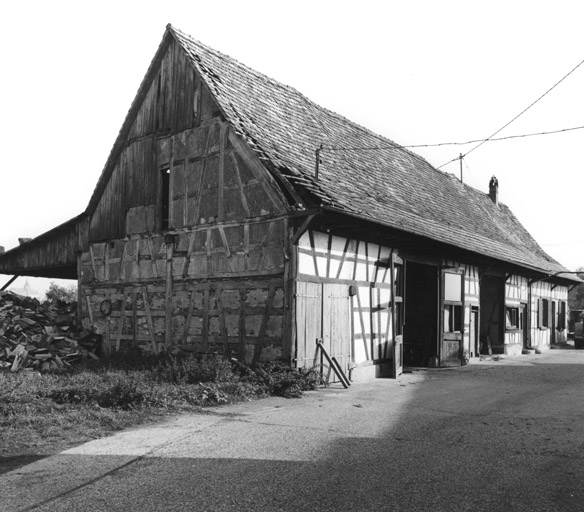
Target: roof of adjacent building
x,y
385,184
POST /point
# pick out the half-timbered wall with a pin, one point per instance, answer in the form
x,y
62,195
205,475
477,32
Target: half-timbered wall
x,y
361,299
216,288
550,326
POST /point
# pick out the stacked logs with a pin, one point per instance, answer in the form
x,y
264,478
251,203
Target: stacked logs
x,y
43,336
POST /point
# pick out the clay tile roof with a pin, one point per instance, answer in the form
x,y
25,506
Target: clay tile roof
x,y
389,185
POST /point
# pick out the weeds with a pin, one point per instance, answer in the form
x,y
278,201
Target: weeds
x,y
43,413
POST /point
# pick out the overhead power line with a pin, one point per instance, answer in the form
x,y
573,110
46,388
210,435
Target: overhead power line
x,y
377,148
520,113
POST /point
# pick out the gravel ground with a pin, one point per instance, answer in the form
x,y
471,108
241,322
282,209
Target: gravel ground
x,y
500,435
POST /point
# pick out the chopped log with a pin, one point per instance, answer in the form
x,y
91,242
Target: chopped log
x,y
42,336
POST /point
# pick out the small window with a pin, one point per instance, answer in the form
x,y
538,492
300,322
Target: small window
x,y
452,287
452,318
165,199
453,301
511,318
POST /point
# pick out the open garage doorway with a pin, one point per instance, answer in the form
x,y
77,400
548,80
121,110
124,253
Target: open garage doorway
x,y
492,304
421,314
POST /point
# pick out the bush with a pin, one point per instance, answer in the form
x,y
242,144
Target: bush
x,y
57,293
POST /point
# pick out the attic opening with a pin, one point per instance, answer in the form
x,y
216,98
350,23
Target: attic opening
x,y
165,198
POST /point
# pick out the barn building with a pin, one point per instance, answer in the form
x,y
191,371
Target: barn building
x,y
234,215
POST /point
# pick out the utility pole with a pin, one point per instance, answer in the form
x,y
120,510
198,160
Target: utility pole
x,y
318,162
460,158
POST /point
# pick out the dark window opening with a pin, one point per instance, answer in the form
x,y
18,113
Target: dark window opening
x,y
165,199
511,318
452,317
543,313
562,316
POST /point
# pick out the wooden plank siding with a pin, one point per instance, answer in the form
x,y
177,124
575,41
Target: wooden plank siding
x,y
213,296
212,278
52,254
175,100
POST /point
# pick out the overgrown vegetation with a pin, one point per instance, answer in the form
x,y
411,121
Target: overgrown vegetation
x,y
576,294
66,294
41,413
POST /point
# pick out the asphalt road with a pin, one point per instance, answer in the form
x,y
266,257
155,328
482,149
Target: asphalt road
x,y
503,435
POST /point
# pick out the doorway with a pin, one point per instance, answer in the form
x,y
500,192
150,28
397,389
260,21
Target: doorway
x,y
420,339
474,332
523,325
492,304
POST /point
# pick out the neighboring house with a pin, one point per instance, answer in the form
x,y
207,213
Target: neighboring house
x,y
234,215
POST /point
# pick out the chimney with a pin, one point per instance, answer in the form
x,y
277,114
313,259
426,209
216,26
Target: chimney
x,y
494,190
2,250
23,240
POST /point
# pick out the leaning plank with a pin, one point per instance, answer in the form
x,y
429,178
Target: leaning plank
x,y
333,364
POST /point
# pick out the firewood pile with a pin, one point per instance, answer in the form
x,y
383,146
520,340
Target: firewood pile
x,y
42,336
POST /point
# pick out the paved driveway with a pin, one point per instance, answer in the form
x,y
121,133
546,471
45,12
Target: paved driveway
x,y
503,435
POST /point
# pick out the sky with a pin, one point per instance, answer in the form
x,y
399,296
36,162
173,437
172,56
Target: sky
x,y
417,72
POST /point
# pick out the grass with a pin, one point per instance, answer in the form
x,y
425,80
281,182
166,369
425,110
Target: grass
x,y
44,413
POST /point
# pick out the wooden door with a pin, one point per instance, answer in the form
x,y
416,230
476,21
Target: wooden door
x,y
336,324
308,322
323,311
452,318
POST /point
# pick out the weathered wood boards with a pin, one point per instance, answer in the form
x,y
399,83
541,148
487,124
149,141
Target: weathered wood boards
x,y
187,237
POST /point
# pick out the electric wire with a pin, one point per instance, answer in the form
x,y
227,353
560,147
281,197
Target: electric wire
x,y
377,148
520,113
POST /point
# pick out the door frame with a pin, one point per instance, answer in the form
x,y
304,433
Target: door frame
x,y
398,288
456,304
